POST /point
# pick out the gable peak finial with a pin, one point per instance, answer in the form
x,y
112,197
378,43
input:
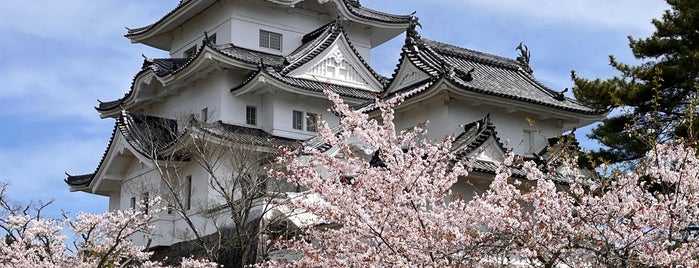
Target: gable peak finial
x,y
411,34
354,3
524,56
206,40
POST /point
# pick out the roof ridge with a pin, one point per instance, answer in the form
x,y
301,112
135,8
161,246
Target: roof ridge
x,y
472,54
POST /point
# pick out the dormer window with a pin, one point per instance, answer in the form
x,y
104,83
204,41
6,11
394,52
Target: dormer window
x,y
190,52
311,121
270,40
297,118
204,115
251,115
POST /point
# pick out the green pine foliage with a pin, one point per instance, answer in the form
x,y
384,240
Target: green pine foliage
x,y
657,98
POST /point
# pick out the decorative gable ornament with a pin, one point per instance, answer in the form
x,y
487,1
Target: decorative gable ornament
x,y
336,68
408,75
490,151
338,65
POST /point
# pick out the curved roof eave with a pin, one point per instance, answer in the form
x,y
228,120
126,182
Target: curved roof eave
x,y
294,85
202,59
184,11
188,9
450,63
354,10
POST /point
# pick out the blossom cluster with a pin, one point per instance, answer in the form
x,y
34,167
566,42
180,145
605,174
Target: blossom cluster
x,y
101,240
400,211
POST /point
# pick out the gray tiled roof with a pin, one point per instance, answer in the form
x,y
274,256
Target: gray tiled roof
x,y
357,9
170,66
484,73
317,41
474,136
353,6
251,56
164,66
151,135
246,135
308,85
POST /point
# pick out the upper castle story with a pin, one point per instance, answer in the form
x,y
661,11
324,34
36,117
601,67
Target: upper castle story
x,y
279,25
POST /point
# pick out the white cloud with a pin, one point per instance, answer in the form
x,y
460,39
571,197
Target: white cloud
x,y
36,171
625,15
61,56
77,20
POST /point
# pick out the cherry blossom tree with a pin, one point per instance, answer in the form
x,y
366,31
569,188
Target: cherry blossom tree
x,y
101,240
401,212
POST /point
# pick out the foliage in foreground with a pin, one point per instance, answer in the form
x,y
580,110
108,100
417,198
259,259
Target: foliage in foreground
x,y
664,85
101,240
401,212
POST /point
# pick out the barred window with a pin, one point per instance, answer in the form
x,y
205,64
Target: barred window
x,y
187,192
251,115
190,52
311,120
271,40
297,122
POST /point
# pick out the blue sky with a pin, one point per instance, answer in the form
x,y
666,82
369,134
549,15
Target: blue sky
x,y
59,56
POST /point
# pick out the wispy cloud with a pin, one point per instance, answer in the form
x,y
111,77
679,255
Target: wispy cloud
x,y
624,15
77,20
59,56
35,170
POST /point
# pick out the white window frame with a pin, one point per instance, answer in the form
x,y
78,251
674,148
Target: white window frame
x,y
311,122
145,198
297,120
204,115
304,121
190,52
187,192
251,115
268,38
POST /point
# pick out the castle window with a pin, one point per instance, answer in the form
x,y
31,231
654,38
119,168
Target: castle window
x,y
270,40
190,52
145,198
297,122
132,203
204,115
251,115
187,192
311,121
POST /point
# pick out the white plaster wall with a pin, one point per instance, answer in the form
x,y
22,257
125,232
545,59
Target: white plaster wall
x,y
213,20
198,94
450,119
115,201
170,227
285,103
359,37
239,23
248,19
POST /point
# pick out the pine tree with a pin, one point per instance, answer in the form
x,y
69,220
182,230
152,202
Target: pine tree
x,y
657,97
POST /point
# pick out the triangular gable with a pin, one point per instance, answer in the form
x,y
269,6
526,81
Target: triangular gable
x,y
479,140
338,64
407,75
116,164
490,151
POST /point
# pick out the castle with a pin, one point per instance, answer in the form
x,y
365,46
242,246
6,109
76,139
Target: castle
x,y
255,70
